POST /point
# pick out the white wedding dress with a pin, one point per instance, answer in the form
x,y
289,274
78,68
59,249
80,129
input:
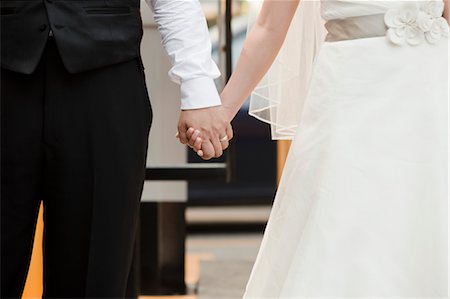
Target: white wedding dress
x,y
362,208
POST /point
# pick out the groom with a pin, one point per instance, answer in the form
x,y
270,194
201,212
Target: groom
x,y
75,118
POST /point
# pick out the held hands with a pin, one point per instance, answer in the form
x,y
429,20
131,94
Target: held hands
x,y
207,131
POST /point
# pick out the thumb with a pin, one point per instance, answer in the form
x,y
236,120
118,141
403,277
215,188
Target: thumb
x,y
182,129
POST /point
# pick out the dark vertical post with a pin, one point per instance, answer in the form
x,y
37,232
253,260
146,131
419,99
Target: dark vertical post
x,y
162,247
228,38
172,249
231,165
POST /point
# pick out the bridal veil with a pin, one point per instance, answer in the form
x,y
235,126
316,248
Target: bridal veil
x,y
279,97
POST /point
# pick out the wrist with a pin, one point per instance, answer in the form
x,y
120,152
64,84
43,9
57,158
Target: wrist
x,y
230,109
229,112
200,108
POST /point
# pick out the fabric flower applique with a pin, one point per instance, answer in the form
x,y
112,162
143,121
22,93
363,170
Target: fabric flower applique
x,y
414,23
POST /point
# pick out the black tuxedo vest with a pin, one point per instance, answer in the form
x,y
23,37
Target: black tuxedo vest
x,y
89,33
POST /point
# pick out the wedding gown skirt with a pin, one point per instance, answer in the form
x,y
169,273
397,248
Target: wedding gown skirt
x,y
362,208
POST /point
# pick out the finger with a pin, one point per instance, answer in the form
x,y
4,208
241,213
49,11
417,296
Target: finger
x,y
182,129
200,153
208,150
194,137
189,133
225,144
230,132
217,147
198,143
177,135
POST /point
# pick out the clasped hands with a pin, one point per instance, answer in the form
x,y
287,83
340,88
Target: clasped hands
x,y
207,131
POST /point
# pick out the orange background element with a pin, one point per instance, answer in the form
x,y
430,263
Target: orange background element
x,y
33,285
282,152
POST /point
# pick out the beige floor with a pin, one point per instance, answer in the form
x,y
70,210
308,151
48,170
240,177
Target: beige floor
x,y
218,265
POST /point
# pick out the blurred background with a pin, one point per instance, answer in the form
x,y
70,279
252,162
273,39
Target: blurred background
x,y
201,222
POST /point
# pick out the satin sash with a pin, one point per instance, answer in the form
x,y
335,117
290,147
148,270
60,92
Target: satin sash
x,y
355,27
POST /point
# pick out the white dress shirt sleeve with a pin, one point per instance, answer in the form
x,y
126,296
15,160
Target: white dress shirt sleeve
x,y
185,37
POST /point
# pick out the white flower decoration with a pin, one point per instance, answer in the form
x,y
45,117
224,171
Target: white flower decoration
x,y
438,29
403,27
413,24
433,8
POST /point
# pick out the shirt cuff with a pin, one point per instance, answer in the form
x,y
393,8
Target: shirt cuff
x,y
199,93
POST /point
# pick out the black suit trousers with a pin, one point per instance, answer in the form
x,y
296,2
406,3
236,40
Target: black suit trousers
x,y
78,142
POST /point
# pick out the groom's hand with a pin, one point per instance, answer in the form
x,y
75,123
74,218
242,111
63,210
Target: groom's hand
x,y
213,125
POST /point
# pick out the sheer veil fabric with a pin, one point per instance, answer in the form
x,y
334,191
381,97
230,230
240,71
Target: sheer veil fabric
x,y
279,97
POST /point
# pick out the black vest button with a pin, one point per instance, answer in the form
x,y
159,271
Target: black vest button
x,y
49,1
42,27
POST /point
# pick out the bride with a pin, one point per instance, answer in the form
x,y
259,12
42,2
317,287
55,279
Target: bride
x,y
362,208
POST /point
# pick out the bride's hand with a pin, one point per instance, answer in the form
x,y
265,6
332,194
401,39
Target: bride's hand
x,y
195,140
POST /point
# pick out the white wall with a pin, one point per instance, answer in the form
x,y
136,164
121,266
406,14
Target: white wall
x,y
164,148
